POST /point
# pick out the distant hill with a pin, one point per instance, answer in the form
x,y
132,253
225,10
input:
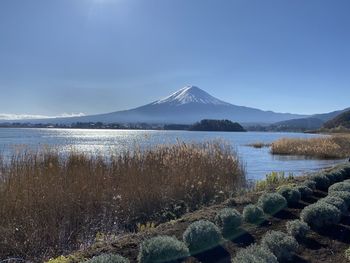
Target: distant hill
x,y
186,106
330,115
313,122
298,124
342,120
217,125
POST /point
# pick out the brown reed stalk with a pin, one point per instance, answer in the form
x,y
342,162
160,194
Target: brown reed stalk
x,y
50,204
330,147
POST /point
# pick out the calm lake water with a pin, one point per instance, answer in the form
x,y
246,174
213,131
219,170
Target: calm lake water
x,y
258,162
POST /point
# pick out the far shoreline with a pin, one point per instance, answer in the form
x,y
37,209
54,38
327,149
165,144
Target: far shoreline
x,y
159,129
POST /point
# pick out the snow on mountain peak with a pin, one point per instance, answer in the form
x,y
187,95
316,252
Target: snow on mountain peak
x,y
190,94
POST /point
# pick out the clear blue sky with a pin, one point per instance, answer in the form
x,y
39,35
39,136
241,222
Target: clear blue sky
x,y
96,56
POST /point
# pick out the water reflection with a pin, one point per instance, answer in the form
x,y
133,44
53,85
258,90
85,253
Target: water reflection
x,y
258,162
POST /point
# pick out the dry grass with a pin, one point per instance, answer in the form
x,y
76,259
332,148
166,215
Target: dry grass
x,y
332,147
259,145
272,181
51,204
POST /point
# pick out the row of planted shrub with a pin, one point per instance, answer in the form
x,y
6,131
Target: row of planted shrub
x,y
329,210
275,246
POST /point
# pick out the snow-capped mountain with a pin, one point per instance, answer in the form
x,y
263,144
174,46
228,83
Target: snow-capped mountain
x,y
190,94
186,106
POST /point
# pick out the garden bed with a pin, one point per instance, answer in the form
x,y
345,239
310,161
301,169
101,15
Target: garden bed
x,y
326,245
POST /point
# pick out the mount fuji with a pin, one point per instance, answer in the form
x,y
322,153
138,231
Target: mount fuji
x,y
186,106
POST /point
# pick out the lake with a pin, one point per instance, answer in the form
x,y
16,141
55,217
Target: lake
x,y
258,162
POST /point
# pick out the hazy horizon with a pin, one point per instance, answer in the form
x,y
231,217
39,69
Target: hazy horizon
x,y
75,57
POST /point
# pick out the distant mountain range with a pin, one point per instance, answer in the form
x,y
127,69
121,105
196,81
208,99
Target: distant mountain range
x,y
191,104
186,106
313,122
341,120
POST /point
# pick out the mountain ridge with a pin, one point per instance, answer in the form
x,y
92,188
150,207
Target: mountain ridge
x,y
341,120
185,106
313,122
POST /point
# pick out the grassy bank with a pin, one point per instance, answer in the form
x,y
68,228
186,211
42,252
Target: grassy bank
x,y
335,146
252,218
50,204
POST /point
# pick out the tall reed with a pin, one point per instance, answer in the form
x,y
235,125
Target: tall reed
x,y
50,204
336,146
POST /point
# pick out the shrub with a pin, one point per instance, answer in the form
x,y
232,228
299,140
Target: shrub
x,y
305,192
254,254
280,244
271,203
337,202
297,228
292,195
202,235
228,219
340,187
335,177
253,214
322,182
60,259
162,249
346,171
346,181
343,195
108,258
347,254
311,184
320,214
272,180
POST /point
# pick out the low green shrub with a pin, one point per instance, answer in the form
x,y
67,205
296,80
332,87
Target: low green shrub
x,y
254,254
311,184
347,254
272,180
108,258
253,214
305,192
337,202
297,228
346,171
272,203
162,249
320,215
322,182
335,177
343,186
292,195
280,244
202,235
228,220
343,195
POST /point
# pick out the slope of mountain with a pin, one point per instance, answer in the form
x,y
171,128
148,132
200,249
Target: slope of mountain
x,y
328,116
186,106
302,124
342,120
313,122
